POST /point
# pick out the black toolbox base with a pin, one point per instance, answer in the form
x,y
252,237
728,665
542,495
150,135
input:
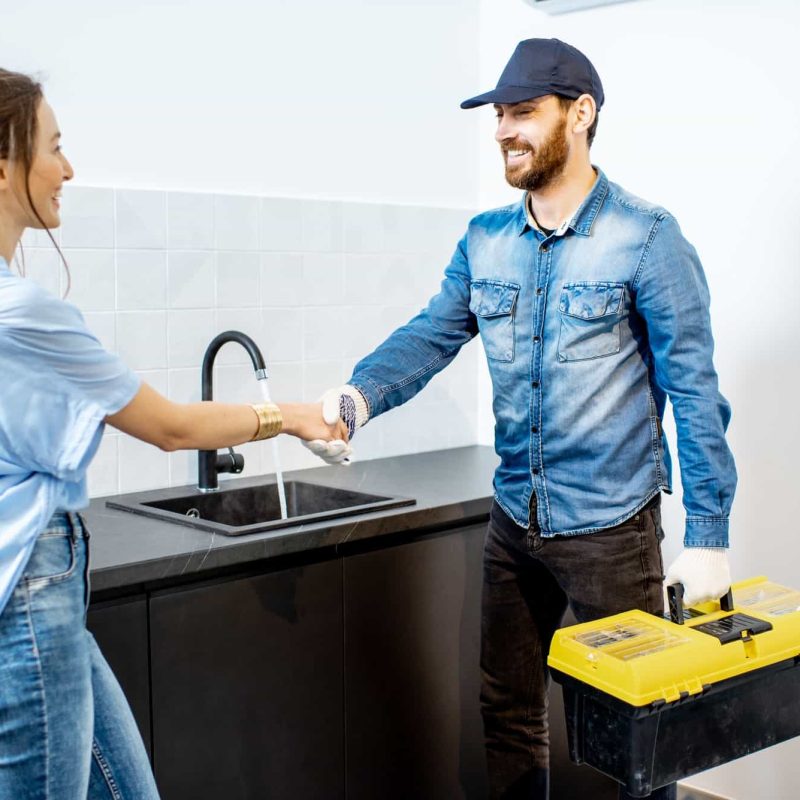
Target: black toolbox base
x,y
650,747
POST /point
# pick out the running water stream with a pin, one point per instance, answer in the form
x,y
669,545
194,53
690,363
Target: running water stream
x,y
275,454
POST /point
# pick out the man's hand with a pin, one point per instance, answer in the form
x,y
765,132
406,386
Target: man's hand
x,y
343,406
704,573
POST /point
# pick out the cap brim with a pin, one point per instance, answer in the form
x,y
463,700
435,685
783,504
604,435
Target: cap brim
x,y
508,95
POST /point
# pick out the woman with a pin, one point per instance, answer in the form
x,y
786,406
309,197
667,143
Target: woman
x,y
66,731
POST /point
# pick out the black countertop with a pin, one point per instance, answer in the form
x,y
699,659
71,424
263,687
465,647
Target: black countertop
x,y
451,487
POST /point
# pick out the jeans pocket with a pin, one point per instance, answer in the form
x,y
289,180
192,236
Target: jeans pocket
x,y
54,559
590,320
493,303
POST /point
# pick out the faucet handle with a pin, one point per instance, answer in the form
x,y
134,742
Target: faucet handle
x,y
230,462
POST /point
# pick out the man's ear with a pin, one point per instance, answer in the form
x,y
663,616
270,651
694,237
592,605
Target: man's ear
x,y
4,176
585,110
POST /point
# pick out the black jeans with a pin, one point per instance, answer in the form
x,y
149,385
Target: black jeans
x,y
528,581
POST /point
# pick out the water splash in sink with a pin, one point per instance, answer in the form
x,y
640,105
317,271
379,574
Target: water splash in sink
x,y
262,382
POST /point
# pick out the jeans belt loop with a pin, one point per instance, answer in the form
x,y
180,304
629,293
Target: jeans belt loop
x,y
75,525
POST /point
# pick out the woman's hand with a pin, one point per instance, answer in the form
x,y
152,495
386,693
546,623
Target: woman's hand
x,y
305,421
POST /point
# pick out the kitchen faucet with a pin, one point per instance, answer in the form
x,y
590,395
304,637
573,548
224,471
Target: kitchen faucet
x,y
209,462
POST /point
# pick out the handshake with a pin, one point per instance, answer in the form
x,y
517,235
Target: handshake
x,y
345,405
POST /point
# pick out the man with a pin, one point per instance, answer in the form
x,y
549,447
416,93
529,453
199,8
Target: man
x,y
592,308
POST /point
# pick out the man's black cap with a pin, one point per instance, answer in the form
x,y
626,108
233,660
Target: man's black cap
x,y
543,66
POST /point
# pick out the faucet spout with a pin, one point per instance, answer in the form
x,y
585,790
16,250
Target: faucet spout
x,y
209,465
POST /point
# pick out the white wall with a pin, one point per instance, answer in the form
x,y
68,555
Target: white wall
x,y
701,116
354,99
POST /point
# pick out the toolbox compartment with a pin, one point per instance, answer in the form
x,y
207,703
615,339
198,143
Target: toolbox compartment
x,y
645,730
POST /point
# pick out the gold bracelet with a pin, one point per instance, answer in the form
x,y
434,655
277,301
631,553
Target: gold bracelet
x,y
270,421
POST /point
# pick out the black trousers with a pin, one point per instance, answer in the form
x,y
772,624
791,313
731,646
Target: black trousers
x,y
528,581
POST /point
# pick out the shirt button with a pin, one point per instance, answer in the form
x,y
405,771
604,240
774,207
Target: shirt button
x,y
534,429
536,470
539,290
537,338
535,384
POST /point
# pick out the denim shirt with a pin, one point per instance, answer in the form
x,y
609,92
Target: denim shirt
x,y
586,332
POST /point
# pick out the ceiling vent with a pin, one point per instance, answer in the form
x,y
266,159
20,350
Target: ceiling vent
x,y
565,6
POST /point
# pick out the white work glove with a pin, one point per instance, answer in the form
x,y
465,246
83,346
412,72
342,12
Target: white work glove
x,y
704,573
334,452
345,403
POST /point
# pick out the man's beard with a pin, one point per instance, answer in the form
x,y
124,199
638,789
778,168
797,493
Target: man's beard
x,y
547,161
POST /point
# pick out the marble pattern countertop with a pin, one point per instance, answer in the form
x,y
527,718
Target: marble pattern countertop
x,y
450,487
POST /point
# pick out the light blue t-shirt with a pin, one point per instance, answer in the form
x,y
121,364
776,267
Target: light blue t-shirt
x,y
57,385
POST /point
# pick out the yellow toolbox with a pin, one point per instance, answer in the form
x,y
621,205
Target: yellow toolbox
x,y
649,700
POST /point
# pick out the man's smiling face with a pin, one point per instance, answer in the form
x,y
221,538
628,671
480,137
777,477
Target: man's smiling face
x,y
533,140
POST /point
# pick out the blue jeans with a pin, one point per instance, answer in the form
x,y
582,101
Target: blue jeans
x,y
66,731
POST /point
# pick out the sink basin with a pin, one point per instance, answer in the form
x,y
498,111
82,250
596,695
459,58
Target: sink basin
x,y
248,509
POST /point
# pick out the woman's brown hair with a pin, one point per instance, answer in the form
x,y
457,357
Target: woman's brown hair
x,y
20,96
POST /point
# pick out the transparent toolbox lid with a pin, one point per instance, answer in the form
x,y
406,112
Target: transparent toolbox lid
x,y
644,659
767,598
630,639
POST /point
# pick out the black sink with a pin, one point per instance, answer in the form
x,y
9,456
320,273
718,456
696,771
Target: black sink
x,y
234,511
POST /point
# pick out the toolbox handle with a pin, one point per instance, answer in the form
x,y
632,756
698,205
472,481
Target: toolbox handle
x,y
675,598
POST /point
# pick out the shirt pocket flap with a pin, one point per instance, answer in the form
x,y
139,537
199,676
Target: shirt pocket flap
x,y
492,298
591,300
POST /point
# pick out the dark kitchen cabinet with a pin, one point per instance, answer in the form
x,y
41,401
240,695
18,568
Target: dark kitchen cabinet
x,y
120,630
247,687
412,641
356,677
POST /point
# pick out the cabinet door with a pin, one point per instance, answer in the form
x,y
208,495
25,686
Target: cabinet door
x,y
247,687
120,629
412,642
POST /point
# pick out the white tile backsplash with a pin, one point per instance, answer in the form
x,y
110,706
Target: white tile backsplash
x,y
141,466
363,228
281,224
87,217
322,226
141,219
141,279
238,279
236,222
323,333
316,283
188,333
93,283
190,221
282,336
190,279
43,266
323,279
142,338
281,279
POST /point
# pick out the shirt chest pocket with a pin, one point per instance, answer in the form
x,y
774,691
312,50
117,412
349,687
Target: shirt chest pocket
x,y
590,320
494,303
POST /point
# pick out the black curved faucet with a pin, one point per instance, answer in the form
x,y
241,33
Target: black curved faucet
x,y
209,463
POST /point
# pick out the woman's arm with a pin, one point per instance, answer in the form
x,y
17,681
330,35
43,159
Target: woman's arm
x,y
153,418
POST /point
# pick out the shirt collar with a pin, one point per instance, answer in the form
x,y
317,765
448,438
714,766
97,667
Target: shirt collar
x,y
582,220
